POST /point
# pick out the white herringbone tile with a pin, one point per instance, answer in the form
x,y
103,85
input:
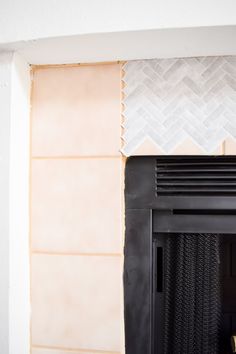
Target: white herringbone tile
x,y
169,100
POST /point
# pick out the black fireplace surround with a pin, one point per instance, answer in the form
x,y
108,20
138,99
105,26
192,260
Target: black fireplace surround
x,y
180,254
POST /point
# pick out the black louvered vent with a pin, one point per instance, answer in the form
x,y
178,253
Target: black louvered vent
x,y
196,176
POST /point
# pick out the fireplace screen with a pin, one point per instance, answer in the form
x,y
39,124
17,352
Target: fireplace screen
x,y
180,255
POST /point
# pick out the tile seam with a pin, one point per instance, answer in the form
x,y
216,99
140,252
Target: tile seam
x,y
64,66
76,157
83,254
72,350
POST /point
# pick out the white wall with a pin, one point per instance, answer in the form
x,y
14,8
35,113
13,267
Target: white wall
x,y
79,31
33,19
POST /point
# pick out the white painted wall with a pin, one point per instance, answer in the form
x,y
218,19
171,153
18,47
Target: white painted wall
x,y
72,31
34,19
14,186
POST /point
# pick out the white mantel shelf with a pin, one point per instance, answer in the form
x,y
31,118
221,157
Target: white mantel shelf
x,y
128,45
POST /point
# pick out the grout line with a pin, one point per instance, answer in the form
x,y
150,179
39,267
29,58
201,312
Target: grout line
x,y
74,65
223,148
71,350
75,157
51,253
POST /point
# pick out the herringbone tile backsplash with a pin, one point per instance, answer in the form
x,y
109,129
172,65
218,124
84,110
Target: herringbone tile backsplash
x,y
170,100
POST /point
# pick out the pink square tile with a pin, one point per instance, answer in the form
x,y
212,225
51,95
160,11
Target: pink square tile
x,y
76,302
76,111
76,205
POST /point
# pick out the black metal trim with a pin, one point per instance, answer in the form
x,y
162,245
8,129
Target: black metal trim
x,y
138,282
194,223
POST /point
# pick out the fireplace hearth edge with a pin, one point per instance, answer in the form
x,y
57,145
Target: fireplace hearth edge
x,y
172,196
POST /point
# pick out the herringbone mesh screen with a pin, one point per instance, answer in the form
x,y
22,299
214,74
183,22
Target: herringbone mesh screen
x,y
192,294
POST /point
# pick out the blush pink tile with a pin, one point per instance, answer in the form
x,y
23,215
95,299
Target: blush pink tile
x,y
76,205
230,146
76,110
76,302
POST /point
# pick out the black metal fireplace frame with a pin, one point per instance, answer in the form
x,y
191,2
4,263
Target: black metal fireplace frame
x,y
144,200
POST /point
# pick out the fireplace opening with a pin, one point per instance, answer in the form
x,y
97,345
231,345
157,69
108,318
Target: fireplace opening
x,y
180,255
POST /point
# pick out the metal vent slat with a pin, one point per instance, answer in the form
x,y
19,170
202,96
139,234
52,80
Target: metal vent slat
x,y
198,170
191,183
203,176
197,164
195,190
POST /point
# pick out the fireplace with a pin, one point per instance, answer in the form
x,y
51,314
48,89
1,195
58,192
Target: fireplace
x,y
180,255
